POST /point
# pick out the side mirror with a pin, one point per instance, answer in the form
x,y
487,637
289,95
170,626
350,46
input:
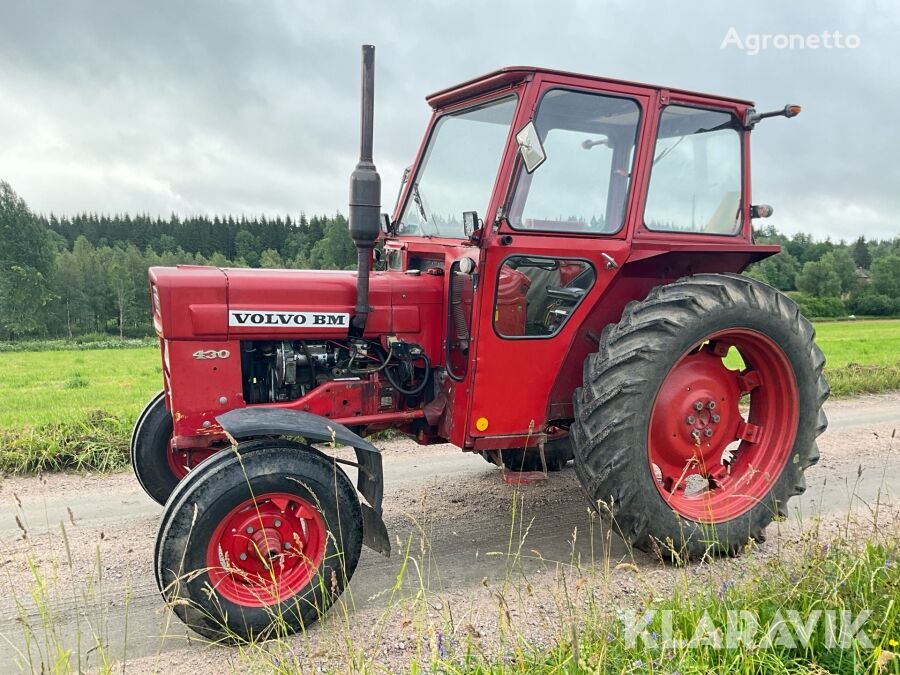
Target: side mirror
x,y
386,227
378,259
470,223
530,147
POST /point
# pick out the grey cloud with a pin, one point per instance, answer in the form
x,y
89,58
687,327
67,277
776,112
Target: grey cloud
x,y
252,107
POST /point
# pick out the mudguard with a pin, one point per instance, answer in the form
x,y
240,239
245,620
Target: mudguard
x,y
256,421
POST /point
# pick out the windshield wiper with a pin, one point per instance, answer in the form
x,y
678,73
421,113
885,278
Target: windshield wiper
x,y
417,198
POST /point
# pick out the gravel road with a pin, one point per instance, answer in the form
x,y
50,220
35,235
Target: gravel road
x,y
89,541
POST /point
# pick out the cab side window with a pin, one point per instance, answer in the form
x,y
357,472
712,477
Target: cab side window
x,y
695,180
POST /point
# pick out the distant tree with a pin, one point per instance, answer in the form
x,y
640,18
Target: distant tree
x,y
271,259
861,255
886,276
68,288
844,266
26,260
779,271
819,279
246,246
335,250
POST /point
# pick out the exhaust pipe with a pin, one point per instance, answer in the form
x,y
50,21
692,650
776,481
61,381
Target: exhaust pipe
x,y
365,195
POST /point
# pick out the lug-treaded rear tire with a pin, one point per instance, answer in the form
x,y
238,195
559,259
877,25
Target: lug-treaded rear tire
x,y
635,418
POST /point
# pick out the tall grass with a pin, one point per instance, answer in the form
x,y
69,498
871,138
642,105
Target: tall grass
x,y
42,647
99,442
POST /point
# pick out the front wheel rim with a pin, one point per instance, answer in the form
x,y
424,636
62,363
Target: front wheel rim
x,y
266,549
709,461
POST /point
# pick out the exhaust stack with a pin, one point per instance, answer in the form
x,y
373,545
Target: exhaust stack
x,y
365,194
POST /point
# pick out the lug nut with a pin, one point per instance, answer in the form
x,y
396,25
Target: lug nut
x,y
690,419
707,432
249,530
715,419
698,405
277,523
711,405
243,556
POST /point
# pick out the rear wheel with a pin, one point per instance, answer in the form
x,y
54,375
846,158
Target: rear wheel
x,y
261,545
699,414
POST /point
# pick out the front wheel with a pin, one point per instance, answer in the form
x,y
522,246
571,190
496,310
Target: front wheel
x,y
262,545
157,466
699,414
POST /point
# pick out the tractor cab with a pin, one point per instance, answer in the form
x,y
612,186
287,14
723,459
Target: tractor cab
x,y
535,194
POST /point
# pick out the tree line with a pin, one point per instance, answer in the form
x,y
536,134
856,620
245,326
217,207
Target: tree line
x,y
829,279
68,276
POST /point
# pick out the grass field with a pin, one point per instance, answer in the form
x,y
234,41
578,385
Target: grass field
x,y
62,386
74,408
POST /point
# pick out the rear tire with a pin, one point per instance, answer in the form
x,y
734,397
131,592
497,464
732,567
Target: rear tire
x,y
259,543
629,423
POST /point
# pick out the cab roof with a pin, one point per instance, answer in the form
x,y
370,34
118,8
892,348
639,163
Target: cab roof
x,y
511,75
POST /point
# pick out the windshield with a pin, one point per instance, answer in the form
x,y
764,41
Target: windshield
x,y
458,170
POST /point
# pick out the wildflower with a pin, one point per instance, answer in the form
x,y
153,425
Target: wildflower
x,y
637,664
439,639
893,643
824,549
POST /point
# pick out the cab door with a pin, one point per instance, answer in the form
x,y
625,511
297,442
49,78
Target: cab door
x,y
559,244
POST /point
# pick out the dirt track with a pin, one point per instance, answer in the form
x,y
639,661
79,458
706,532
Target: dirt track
x,y
456,500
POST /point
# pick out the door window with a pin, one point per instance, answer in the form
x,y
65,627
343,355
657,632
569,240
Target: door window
x,y
536,295
588,140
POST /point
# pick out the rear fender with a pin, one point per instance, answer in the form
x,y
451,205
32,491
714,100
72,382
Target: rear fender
x,y
256,421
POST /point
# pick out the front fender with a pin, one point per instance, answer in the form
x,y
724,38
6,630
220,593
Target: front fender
x,y
255,421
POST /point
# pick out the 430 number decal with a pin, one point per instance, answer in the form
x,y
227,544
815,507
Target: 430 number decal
x,y
212,354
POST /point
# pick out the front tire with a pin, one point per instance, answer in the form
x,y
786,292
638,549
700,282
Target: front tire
x,y
661,443
150,455
262,545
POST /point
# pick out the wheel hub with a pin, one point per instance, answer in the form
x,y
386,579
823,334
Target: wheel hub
x,y
266,549
709,462
696,408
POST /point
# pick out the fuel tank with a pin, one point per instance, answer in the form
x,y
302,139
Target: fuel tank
x,y
210,303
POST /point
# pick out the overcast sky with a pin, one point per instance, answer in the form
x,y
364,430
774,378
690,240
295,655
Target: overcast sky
x,y
252,107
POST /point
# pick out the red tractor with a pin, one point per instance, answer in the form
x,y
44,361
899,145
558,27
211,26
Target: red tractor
x,y
561,281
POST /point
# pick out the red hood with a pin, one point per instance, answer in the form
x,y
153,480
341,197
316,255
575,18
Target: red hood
x,y
196,302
